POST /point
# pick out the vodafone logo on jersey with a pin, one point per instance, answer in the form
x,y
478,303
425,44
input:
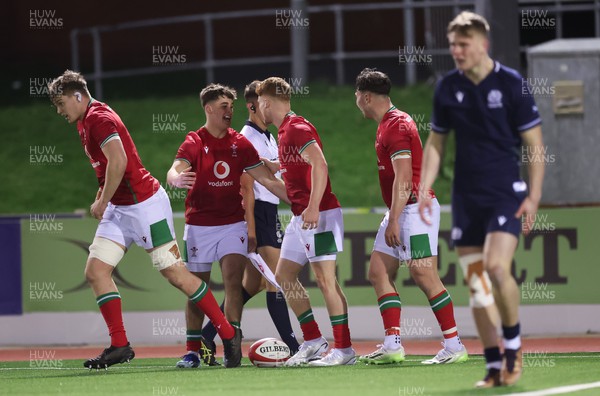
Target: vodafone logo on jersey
x,y
221,169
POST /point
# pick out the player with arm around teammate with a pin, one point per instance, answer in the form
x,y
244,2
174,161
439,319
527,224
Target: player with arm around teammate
x,y
132,208
265,232
209,163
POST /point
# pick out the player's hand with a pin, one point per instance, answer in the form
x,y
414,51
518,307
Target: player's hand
x,y
392,234
97,209
528,208
273,166
252,243
310,218
425,209
185,179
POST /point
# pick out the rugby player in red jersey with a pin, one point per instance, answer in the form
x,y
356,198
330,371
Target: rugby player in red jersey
x,y
210,163
403,236
315,233
265,233
132,208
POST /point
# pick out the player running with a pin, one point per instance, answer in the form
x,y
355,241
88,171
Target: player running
x,y
492,114
209,163
315,233
132,208
402,235
264,231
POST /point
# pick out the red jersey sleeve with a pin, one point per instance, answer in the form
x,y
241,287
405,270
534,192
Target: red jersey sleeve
x,y
190,150
101,128
250,155
396,138
301,136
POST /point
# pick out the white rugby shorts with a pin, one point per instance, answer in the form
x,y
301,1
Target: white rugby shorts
x,y
419,240
149,223
319,244
204,245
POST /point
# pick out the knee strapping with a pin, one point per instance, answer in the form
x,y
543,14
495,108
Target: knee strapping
x,y
165,255
478,280
106,251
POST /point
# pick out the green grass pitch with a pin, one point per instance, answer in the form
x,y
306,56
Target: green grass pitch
x,y
160,377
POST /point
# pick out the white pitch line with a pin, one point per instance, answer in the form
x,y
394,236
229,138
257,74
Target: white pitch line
x,y
558,390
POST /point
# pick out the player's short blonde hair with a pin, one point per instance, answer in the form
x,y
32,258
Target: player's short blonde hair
x,y
468,22
276,87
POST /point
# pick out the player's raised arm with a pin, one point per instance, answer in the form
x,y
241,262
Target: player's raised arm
x,y
264,176
115,169
533,141
432,159
273,166
180,175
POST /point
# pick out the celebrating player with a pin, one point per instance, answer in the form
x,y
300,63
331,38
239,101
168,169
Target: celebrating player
x,y
402,235
209,163
315,233
263,227
492,116
132,207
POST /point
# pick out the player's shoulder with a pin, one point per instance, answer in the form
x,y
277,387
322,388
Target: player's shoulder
x,y
99,110
250,131
508,73
299,122
448,78
397,118
195,136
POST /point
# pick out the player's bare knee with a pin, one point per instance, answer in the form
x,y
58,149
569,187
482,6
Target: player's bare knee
x,y
376,277
327,284
175,275
498,274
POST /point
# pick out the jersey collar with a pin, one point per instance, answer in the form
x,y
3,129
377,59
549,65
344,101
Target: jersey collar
x,y
89,106
257,128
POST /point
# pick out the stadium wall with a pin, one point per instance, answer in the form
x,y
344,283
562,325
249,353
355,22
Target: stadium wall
x,y
554,266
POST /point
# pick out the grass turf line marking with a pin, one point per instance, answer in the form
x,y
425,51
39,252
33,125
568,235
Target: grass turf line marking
x,y
558,390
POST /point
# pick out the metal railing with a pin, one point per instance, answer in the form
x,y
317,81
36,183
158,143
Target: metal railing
x,y
339,56
436,15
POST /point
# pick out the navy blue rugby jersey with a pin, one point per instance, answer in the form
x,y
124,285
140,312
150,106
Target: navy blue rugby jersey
x,y
488,119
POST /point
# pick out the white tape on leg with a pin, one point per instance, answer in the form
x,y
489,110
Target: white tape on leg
x,y
106,251
478,280
165,256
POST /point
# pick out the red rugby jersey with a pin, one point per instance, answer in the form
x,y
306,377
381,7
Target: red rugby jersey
x,y
397,133
295,135
219,163
99,125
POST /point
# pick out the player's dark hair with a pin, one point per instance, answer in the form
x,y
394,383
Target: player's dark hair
x,y
250,91
468,22
373,80
276,87
67,83
215,91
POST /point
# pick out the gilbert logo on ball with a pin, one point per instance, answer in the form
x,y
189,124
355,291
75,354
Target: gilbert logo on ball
x,y
269,352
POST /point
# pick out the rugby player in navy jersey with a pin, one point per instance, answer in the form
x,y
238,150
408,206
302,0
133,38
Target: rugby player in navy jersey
x,y
493,116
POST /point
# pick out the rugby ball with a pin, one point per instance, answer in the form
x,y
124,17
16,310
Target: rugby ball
x,y
269,352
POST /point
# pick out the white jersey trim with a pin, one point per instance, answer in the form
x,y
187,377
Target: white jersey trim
x,y
266,148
